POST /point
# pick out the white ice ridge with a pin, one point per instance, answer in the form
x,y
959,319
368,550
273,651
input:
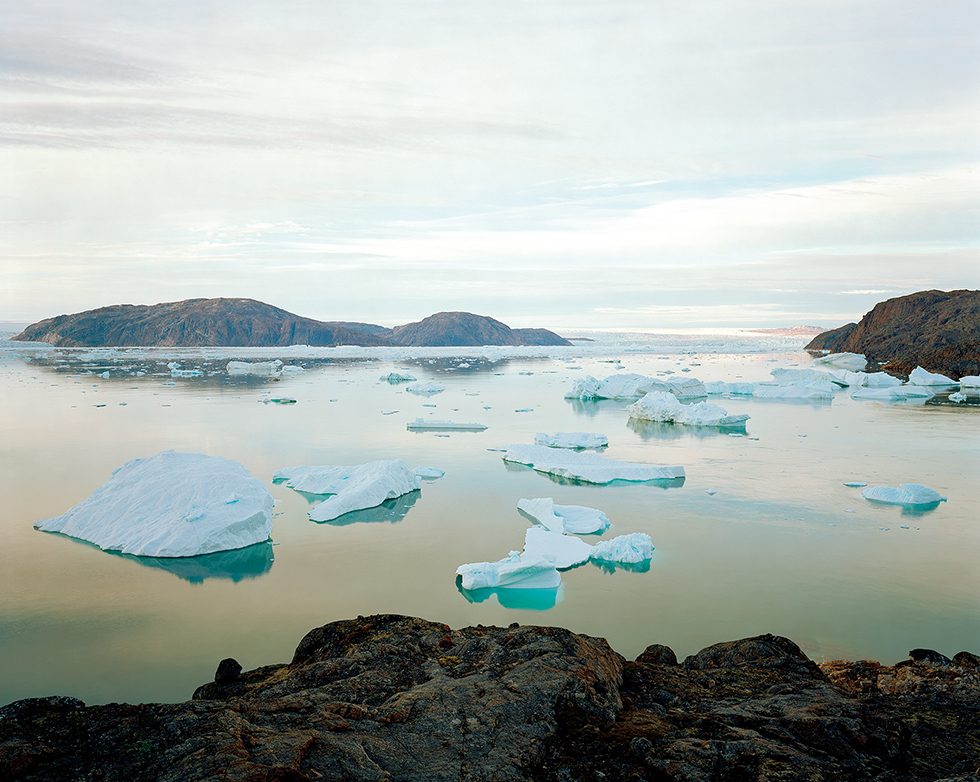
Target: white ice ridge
x,y
790,376
631,386
172,505
576,519
852,361
905,494
625,549
560,550
353,488
258,368
513,571
894,394
425,389
665,407
921,377
429,473
970,381
576,440
423,424
398,377
587,467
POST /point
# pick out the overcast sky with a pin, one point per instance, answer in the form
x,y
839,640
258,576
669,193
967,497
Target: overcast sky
x,y
594,163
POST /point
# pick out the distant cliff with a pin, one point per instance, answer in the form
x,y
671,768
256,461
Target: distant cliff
x,y
250,323
937,330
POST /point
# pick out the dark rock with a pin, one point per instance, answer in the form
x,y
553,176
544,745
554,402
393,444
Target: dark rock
x,y
966,660
383,698
229,671
465,328
929,657
657,654
937,330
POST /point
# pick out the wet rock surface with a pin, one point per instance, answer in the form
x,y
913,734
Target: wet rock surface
x,y
398,698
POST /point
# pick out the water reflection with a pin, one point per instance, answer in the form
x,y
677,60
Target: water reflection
x,y
561,480
592,408
390,511
660,430
629,567
518,599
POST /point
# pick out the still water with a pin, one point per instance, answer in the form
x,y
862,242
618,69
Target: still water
x,y
781,546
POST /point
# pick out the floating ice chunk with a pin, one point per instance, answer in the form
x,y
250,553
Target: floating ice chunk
x,y
812,391
433,424
905,494
711,492
514,571
560,550
398,377
735,389
626,549
864,379
921,377
855,484
787,377
279,400
665,407
105,375
970,381
576,519
584,388
429,473
633,386
957,397
894,393
292,369
354,488
425,389
256,368
587,467
576,440
173,365
185,372
171,505
853,361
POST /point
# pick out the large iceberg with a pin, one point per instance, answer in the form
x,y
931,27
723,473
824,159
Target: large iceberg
x,y
172,505
665,407
353,488
561,550
587,467
852,361
575,440
624,549
514,571
633,386
921,377
577,519
254,368
905,494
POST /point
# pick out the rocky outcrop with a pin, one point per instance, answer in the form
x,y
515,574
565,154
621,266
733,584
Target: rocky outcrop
x,y
937,330
396,698
250,323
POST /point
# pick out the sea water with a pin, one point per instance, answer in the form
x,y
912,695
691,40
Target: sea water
x,y
780,546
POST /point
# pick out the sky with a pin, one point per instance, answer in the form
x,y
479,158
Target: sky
x,y
574,163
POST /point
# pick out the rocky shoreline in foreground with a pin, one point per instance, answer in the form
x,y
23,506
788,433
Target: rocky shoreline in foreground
x,y
399,698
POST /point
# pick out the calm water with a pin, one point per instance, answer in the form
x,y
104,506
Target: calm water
x,y
782,547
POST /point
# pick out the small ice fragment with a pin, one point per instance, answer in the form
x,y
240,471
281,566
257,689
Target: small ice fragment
x,y
957,397
398,377
576,440
429,473
430,424
711,492
855,484
290,369
904,494
425,389
524,410
279,400
105,375
633,548
185,372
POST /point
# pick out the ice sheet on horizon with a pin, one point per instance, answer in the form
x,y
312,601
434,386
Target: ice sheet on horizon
x,y
172,505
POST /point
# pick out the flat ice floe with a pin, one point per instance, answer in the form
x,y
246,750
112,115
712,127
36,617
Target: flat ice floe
x,y
664,407
734,389
786,376
560,550
437,425
624,549
575,519
353,488
894,394
425,389
575,440
254,368
514,571
852,361
806,391
172,505
429,473
920,377
632,386
587,467
397,377
909,494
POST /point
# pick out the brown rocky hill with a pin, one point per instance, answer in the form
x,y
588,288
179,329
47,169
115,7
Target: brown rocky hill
x,y
250,323
937,330
402,699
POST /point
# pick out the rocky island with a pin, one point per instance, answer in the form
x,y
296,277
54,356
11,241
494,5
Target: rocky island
x,y
250,323
937,330
398,698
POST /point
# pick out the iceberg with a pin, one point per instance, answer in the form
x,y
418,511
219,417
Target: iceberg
x,y
624,549
576,519
633,386
436,425
663,406
894,393
855,362
560,550
864,379
429,473
957,397
172,505
811,391
254,368
905,494
292,369
921,377
353,488
970,381
587,467
425,389
514,571
576,440
398,377
734,389
788,376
